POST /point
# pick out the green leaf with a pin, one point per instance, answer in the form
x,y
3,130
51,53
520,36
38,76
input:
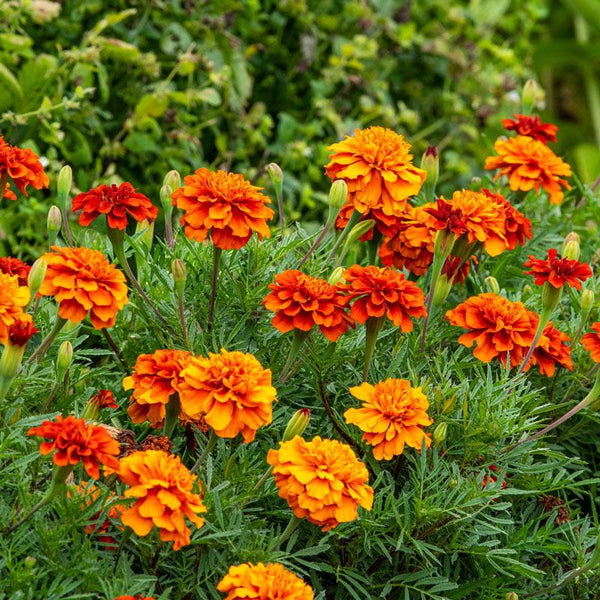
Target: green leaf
x,y
10,90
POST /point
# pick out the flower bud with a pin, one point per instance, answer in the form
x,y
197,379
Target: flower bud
x,y
29,562
512,596
442,289
172,180
64,358
53,222
571,250
358,231
63,187
440,433
145,229
338,194
586,302
529,98
44,11
430,163
336,275
297,424
492,284
179,273
36,276
276,174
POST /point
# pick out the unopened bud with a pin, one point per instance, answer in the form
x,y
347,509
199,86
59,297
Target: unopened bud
x,y
358,231
571,250
36,276
172,180
440,433
572,236
336,275
64,358
29,562
586,302
338,194
512,596
276,174
63,187
53,224
166,201
145,230
179,274
526,292
430,163
297,424
492,284
529,99
442,289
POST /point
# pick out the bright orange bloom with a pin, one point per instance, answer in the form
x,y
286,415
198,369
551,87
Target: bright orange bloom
x,y
13,299
116,202
321,480
501,328
231,390
591,342
393,415
14,266
263,582
550,350
136,597
517,225
224,204
104,399
163,489
23,167
558,271
73,441
531,126
82,280
529,164
20,332
155,379
376,164
387,225
300,301
378,292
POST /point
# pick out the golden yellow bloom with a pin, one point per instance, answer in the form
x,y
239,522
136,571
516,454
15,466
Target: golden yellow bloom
x,y
13,299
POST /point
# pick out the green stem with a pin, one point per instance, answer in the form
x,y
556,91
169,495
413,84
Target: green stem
x,y
41,350
373,246
287,532
172,416
184,329
316,244
297,341
213,286
354,218
210,444
373,325
544,318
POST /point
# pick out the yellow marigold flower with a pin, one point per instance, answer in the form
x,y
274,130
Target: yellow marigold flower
x,y
321,480
376,164
13,299
263,582
231,390
393,415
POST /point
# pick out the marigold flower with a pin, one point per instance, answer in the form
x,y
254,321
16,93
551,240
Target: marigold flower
x,y
163,489
321,480
13,300
591,342
231,390
116,202
104,399
263,582
550,350
224,204
376,164
300,301
14,266
136,597
528,164
23,167
20,332
457,269
378,292
82,280
531,126
73,441
558,271
517,226
393,415
155,379
387,225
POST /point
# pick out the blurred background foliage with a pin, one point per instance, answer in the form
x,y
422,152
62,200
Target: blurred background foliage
x,y
130,89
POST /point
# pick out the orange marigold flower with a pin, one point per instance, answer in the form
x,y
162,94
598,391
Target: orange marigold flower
x,y
116,202
13,299
136,597
531,126
300,301
82,280
20,332
104,399
14,266
517,225
387,225
321,480
23,167
73,441
591,342
231,390
224,204
155,379
263,582
378,292
550,350
376,164
558,271
393,415
163,489
500,328
529,164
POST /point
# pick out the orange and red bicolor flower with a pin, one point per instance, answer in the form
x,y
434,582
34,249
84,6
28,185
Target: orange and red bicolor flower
x,y
531,126
21,166
558,271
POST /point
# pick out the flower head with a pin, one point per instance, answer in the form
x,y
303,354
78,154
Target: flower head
x,y
231,390
20,332
13,300
263,582
528,164
104,399
73,441
224,204
591,342
517,226
321,480
531,126
376,163
163,490
393,415
82,280
116,202
136,597
14,266
558,271
550,350
300,301
378,292
23,167
155,379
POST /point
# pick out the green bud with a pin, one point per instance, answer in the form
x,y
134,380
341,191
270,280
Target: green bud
x,y
297,424
430,163
358,231
440,433
53,224
63,187
336,275
529,98
338,194
527,292
550,298
586,302
276,174
36,276
172,180
179,273
29,561
512,596
442,289
571,250
166,201
64,358
145,229
492,284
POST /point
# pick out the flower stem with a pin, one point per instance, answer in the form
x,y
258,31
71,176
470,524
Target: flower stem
x,y
66,226
184,329
172,416
213,285
41,350
342,237
210,444
373,325
297,341
544,318
315,245
113,346
287,532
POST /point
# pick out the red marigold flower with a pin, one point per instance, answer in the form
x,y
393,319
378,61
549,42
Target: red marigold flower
x,y
104,399
73,441
517,225
447,217
23,167
300,301
116,202
20,332
529,164
591,342
550,350
376,164
457,269
531,126
558,271
14,266
224,204
377,292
